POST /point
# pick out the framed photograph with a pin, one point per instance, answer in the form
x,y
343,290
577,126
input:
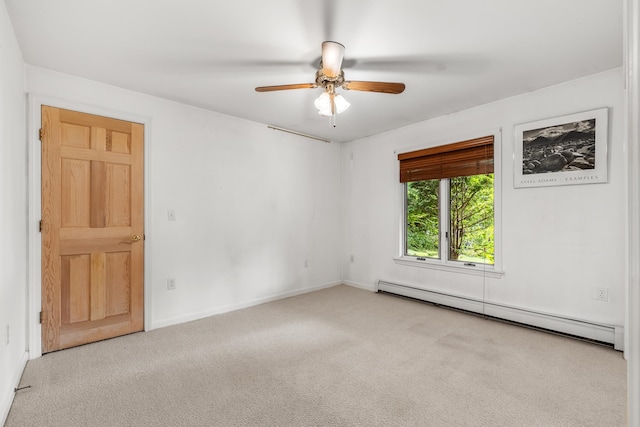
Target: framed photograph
x,y
564,150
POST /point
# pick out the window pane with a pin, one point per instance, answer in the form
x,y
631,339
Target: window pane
x,y
422,198
471,219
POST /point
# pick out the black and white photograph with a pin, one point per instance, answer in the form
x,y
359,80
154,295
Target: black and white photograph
x,y
562,151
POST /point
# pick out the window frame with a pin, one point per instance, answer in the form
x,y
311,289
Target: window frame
x,y
444,263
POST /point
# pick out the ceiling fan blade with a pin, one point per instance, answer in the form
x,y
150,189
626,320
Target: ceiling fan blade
x,y
332,55
382,87
286,87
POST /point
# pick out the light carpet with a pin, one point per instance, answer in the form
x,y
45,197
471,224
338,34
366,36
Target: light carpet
x,y
336,357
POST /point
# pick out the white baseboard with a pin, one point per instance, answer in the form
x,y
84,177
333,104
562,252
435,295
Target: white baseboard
x,y
372,288
612,334
7,400
232,307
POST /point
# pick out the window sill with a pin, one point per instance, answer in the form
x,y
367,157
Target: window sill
x,y
480,270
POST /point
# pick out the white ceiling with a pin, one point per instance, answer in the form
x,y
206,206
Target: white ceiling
x,y
452,54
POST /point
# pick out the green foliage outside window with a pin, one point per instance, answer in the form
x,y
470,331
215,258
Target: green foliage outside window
x,y
471,227
471,219
422,218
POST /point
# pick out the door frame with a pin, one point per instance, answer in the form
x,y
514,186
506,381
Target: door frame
x,y
34,291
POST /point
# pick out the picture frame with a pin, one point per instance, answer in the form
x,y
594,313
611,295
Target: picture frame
x,y
564,150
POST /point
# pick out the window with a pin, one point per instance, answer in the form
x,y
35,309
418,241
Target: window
x,y
449,212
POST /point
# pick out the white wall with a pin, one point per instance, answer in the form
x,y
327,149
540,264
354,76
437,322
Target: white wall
x,y
13,209
559,243
251,204
632,68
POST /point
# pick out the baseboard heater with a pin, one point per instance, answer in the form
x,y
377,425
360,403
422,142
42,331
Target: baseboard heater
x,y
610,334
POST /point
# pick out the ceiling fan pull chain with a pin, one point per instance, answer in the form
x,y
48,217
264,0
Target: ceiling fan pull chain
x,y
332,98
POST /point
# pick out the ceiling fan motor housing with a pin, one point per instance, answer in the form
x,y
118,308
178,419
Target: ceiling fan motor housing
x,y
323,80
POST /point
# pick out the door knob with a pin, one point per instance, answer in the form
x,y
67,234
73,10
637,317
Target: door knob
x,y
135,238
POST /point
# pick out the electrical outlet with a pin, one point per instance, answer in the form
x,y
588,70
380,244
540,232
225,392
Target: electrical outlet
x,y
602,294
171,284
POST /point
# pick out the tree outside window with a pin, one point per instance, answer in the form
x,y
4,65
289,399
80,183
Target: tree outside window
x,y
470,231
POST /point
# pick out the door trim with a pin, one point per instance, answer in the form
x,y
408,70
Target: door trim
x,y
34,291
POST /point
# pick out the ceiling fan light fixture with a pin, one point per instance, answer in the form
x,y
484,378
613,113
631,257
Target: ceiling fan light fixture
x,y
323,104
332,55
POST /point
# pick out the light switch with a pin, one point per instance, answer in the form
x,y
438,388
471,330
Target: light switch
x,y
171,215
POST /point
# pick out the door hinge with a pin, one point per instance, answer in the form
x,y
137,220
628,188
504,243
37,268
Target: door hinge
x,y
41,134
40,226
40,317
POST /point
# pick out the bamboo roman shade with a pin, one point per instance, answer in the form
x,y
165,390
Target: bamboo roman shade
x,y
472,157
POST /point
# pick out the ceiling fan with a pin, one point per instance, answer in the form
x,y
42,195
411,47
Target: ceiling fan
x,y
330,77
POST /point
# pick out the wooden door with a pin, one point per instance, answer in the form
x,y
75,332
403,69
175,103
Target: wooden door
x,y
92,228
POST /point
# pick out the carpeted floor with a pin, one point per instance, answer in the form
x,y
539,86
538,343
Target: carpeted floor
x,y
335,357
